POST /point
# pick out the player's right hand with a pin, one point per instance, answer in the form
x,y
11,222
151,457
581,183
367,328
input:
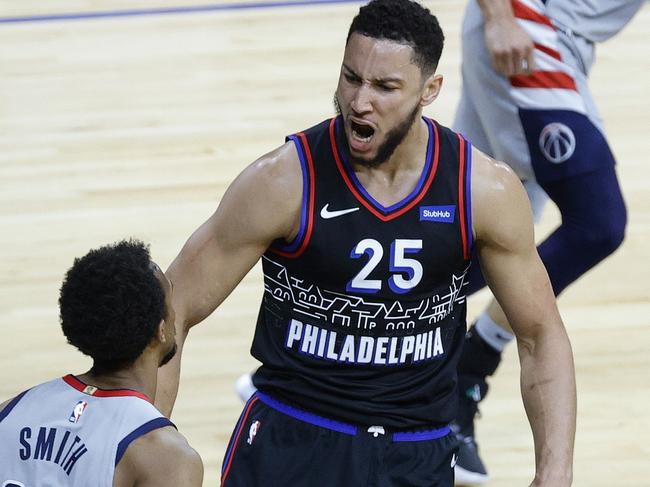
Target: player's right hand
x,y
510,47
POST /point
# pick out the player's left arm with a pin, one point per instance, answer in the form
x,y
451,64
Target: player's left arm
x,y
505,243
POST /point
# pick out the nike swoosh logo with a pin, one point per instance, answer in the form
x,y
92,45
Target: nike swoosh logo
x,y
327,214
454,459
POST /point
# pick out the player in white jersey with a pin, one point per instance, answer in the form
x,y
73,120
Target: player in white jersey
x,y
526,101
101,428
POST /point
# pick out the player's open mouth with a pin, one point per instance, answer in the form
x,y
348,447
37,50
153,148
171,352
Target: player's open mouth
x,y
361,132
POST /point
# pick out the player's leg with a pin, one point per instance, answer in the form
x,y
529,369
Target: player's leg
x,y
593,225
583,185
564,149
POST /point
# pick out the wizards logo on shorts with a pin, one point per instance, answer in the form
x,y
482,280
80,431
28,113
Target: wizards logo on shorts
x,y
441,214
78,410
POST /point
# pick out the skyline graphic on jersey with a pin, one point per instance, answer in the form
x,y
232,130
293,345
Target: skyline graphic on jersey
x,y
362,313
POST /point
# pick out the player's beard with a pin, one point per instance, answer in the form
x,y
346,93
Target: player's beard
x,y
169,355
394,138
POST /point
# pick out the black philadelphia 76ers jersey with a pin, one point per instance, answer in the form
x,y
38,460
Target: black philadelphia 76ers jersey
x,y
363,314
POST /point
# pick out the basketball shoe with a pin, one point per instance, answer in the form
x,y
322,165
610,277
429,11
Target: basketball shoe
x,y
469,469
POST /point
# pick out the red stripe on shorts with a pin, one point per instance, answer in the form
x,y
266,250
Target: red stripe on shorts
x,y
544,79
551,52
235,444
523,12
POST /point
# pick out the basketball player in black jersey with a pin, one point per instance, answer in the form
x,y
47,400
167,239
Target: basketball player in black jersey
x,y
366,224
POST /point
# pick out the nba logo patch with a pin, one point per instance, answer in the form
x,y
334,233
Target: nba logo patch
x,y
255,427
78,410
441,214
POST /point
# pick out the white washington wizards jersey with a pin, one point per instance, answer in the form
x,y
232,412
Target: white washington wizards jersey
x,y
596,20
64,433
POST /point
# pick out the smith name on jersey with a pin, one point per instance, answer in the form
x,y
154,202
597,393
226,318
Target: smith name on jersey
x,y
364,312
65,433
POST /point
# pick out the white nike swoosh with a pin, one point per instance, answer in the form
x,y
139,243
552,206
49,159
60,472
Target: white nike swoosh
x,y
454,459
326,214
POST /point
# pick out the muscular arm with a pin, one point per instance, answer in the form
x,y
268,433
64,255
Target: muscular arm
x,y
515,274
507,43
161,458
261,205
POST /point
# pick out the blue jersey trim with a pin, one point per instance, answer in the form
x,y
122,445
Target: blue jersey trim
x,y
137,433
416,190
295,244
421,435
12,404
307,417
468,196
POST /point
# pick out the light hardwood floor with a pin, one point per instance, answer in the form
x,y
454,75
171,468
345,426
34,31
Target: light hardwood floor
x,y
134,126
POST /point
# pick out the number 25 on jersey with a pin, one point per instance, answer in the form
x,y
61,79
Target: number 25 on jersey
x,y
399,265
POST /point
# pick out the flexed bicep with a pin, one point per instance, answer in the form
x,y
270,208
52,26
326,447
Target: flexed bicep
x,y
260,206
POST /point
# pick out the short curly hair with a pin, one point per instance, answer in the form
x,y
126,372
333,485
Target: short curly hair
x,y
111,303
406,22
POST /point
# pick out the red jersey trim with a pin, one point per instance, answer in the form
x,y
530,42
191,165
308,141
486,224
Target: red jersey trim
x,y
310,204
461,196
75,383
369,206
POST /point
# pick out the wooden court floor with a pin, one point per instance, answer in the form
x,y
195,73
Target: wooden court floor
x,y
134,126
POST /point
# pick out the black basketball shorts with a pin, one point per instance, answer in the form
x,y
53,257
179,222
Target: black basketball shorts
x,y
277,445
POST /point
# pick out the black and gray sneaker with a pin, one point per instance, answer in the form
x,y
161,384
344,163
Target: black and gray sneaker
x,y
469,469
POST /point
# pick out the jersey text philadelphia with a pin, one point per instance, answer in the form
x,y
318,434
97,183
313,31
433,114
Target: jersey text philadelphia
x,y
321,343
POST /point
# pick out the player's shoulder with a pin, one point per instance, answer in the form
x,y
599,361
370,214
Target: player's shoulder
x,y
277,172
499,201
162,457
278,162
492,180
168,442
